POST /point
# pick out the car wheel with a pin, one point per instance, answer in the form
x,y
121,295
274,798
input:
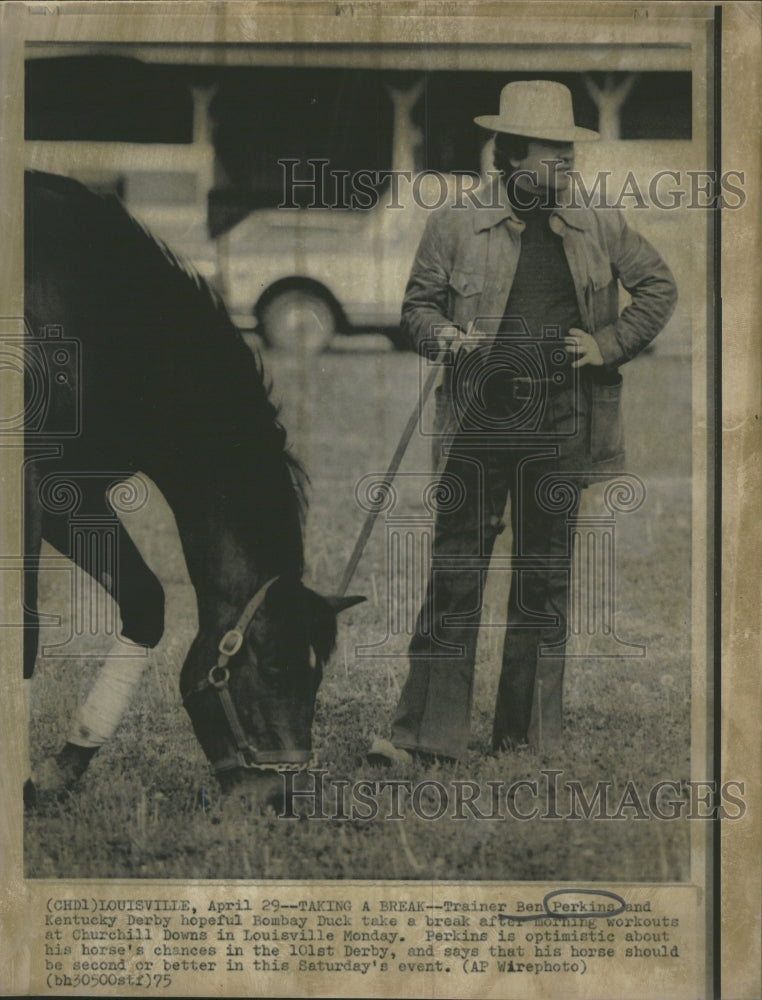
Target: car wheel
x,y
298,320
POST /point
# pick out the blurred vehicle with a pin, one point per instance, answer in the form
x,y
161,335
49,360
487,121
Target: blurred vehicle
x,y
304,275
196,152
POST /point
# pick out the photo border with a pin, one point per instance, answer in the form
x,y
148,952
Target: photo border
x,y
734,711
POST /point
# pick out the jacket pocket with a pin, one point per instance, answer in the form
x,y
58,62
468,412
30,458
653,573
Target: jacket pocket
x,y
466,282
606,429
465,293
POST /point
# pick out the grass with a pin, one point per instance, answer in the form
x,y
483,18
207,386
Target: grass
x,y
136,814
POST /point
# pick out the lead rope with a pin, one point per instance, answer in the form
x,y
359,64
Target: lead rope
x,y
391,472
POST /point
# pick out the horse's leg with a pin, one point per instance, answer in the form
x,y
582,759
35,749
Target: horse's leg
x,y
140,597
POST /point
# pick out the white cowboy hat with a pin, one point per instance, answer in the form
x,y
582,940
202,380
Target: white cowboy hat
x,y
537,109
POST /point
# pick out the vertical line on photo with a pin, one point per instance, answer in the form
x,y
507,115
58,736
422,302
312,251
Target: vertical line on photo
x,y
410,577
576,615
715,491
402,581
591,581
78,610
426,560
607,583
394,583
108,568
92,561
416,577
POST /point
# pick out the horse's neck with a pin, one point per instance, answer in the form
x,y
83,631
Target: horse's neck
x,y
225,567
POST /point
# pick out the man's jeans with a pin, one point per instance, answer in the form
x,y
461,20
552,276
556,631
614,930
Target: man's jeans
x,y
433,714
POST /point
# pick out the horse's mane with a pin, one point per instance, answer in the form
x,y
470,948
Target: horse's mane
x,y
208,334
263,381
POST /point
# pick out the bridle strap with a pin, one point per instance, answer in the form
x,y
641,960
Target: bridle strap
x,y
232,640
245,756
230,643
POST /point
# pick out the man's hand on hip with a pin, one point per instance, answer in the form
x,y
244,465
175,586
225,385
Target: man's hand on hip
x,y
584,345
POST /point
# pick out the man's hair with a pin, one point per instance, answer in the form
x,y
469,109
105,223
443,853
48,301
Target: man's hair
x,y
509,147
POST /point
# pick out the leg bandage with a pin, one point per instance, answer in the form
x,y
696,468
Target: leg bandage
x,y
97,720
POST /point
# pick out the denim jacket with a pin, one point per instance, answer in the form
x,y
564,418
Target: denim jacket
x,y
464,269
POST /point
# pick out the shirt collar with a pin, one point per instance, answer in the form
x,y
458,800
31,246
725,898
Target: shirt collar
x,y
491,207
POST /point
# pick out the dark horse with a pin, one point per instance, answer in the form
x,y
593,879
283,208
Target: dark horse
x,y
149,374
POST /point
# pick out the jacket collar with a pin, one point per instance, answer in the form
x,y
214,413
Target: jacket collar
x,y
491,206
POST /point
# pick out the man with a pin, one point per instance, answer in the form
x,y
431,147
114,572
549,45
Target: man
x,y
519,297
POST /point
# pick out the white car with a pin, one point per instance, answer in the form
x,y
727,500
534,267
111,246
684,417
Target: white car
x,y
305,275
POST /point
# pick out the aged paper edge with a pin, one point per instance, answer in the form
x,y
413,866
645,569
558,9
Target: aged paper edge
x,y
740,635
740,884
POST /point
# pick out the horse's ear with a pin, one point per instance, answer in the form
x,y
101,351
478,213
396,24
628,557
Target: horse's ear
x,y
323,611
339,604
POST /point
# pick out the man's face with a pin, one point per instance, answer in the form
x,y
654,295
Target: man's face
x,y
546,166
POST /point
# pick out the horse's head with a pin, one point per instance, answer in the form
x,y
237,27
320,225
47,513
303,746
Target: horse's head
x,y
250,691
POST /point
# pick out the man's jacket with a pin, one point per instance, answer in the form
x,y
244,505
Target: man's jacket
x,y
463,272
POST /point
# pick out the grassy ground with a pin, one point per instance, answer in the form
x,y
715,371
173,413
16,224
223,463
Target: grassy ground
x,y
626,719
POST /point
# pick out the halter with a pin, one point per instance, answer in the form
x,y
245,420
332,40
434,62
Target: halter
x,y
246,755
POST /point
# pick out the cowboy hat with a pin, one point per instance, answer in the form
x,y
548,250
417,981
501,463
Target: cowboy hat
x,y
537,109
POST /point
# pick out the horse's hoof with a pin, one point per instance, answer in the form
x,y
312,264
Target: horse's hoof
x,y
48,786
52,781
58,776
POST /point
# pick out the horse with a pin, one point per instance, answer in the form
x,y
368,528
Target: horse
x,y
145,372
